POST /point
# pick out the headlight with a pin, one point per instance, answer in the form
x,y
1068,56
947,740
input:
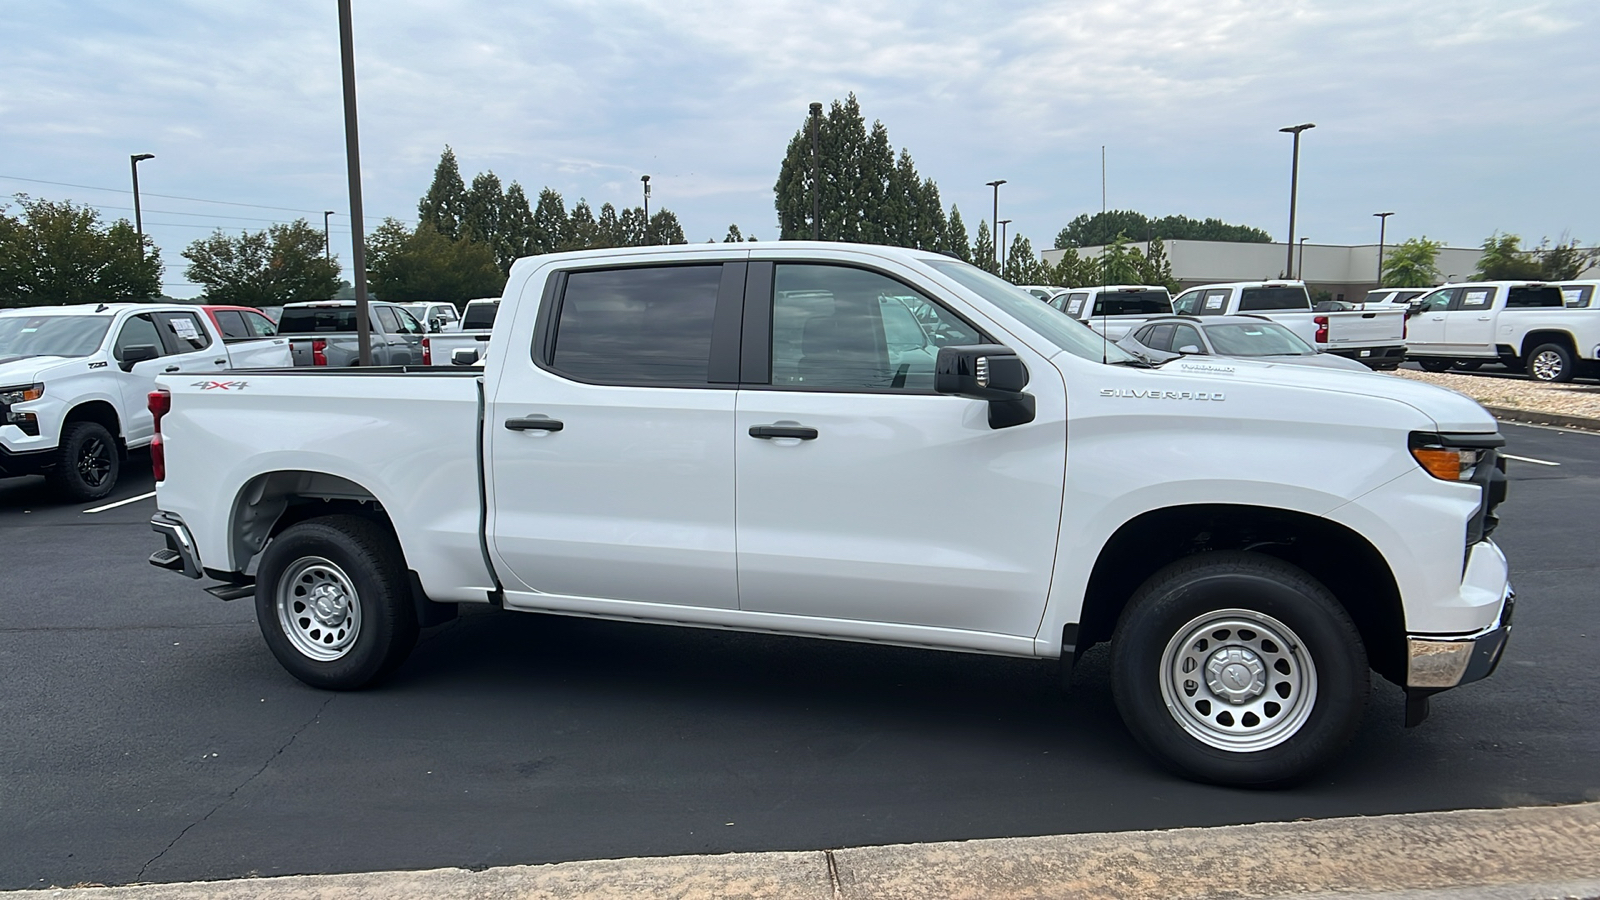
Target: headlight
x,y
14,395
1453,457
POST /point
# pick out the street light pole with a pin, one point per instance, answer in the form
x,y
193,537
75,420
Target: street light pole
x,y
1383,221
138,220
352,150
646,180
996,219
1303,258
1002,244
816,169
1294,186
327,239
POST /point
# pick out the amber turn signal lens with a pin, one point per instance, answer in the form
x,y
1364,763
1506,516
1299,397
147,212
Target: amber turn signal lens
x,y
1445,464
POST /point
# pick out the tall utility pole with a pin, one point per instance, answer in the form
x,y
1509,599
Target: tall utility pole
x,y
327,239
996,219
1383,220
1294,187
646,180
1303,258
1002,244
816,168
352,150
138,220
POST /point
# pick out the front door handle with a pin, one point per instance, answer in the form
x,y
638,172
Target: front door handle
x,y
534,423
1484,318
170,369
767,432
219,362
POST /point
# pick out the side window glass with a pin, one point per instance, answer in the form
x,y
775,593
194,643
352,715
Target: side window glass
x,y
836,328
231,324
387,320
259,325
1188,304
138,331
646,327
1216,303
1185,337
1158,337
183,332
1476,298
1438,301
1075,303
408,323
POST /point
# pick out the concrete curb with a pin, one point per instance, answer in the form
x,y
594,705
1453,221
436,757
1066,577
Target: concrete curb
x,y
1529,417
1540,853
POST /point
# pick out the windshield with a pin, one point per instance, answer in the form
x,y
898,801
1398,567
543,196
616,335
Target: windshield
x,y
22,336
1257,339
1063,331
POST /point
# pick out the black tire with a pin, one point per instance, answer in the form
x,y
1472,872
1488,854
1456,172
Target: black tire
x,y
1552,362
1270,598
1469,365
354,649
1435,365
87,462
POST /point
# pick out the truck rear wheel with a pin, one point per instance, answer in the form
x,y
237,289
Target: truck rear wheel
x,y
1435,365
1551,362
333,603
1238,668
87,462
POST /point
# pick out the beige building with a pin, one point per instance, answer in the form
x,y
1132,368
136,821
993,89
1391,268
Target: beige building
x,y
1339,270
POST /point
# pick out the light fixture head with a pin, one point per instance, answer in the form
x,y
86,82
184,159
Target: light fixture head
x,y
1296,129
141,157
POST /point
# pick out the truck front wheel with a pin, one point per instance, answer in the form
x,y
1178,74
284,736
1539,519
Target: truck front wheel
x,y
87,462
1238,668
333,604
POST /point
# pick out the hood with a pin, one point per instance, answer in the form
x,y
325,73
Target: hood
x,y
27,370
1449,410
1317,360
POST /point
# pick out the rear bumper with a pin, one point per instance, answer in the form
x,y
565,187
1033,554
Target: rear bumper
x,y
1377,357
180,554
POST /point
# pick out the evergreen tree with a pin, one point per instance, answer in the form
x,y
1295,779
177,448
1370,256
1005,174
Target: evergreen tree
x,y
56,253
1157,269
550,223
930,224
481,214
664,228
1022,267
583,232
1070,271
734,237
955,237
1120,263
516,227
442,207
610,227
983,249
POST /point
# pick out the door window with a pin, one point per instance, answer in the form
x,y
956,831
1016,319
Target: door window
x,y
387,320
138,331
1476,298
836,328
183,332
1215,303
259,325
1438,301
408,323
1577,295
1546,295
231,323
1157,337
1185,337
649,327
1188,304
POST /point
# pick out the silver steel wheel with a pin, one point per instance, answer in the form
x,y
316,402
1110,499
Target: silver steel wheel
x,y
1547,365
318,608
1238,680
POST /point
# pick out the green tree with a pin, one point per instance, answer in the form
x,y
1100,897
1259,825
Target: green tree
x,y
1411,264
610,227
1101,228
983,249
1022,267
734,235
59,253
955,237
550,223
443,206
583,232
1157,269
1564,260
282,264
1120,263
1072,271
405,265
482,216
664,228
516,227
1504,259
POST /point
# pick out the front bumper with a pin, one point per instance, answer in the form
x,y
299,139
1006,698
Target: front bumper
x,y
1435,664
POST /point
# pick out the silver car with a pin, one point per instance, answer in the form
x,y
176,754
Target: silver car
x,y
1245,336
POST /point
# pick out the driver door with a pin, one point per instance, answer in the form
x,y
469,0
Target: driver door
x,y
1426,328
137,382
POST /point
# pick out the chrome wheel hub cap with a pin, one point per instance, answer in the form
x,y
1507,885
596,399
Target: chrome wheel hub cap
x,y
318,608
1547,366
1238,680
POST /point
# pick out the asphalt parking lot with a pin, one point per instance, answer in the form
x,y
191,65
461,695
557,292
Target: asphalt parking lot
x,y
149,736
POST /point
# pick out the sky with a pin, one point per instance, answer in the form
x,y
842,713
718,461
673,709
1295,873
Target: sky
x,y
1463,117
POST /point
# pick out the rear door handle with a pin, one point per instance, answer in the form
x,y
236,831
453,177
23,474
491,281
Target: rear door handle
x,y
534,423
767,432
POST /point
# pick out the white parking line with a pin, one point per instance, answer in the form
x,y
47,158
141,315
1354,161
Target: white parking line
x,y
127,501
1529,459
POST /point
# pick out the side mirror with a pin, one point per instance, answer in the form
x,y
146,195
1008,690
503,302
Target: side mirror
x,y
464,356
137,353
1188,349
989,372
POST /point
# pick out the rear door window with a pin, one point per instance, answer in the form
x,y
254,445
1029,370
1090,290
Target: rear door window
x,y
649,327
231,324
259,325
1577,296
182,331
1215,302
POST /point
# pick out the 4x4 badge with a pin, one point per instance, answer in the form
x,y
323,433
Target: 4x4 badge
x,y
221,385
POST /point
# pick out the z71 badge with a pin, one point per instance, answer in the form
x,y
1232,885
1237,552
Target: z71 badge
x,y
221,385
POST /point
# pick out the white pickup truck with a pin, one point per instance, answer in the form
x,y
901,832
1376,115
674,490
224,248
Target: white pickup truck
x,y
74,382
1114,310
871,444
1524,325
1371,336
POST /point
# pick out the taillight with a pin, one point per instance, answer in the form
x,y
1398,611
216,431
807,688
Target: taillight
x,y
1322,329
427,351
159,403
319,352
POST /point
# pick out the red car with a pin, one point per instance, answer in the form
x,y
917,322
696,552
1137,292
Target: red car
x,y
241,323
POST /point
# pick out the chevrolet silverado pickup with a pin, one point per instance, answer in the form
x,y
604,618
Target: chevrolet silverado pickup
x,y
1524,325
74,382
869,444
1114,310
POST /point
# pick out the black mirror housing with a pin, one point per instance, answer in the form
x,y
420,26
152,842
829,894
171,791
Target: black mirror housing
x,y
991,372
137,353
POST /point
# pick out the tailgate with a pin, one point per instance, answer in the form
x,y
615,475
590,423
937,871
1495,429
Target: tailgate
x,y
1379,328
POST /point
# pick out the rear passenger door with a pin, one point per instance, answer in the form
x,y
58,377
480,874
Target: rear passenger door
x,y
610,441
189,345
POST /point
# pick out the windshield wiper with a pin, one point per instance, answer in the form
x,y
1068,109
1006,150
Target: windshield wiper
x,y
1130,361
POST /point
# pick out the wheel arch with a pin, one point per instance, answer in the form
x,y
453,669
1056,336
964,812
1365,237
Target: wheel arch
x,y
270,502
1548,336
1338,557
102,412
